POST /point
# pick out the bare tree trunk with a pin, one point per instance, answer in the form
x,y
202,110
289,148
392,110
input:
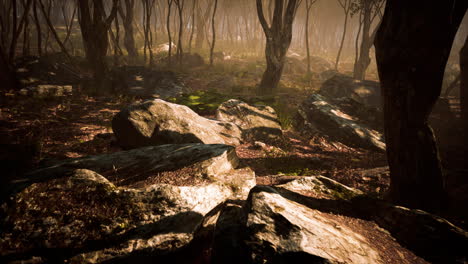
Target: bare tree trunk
x,y
411,59
309,4
278,39
38,29
213,29
346,5
94,31
193,27
168,26
464,85
180,8
127,21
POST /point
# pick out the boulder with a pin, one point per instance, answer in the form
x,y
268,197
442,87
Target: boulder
x,y
318,64
293,65
288,227
257,122
365,92
157,122
145,82
47,90
143,202
317,116
180,164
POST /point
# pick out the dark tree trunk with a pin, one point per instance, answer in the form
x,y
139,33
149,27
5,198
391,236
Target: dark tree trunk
x,y
464,85
412,48
346,5
364,60
94,31
168,27
278,39
213,29
127,22
38,29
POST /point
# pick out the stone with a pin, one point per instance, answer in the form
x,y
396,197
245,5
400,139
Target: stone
x,y
47,90
284,229
318,64
157,122
365,92
145,82
293,65
317,116
257,122
194,164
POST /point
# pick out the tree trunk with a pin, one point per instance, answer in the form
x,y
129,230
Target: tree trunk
x,y
278,38
168,27
94,31
464,85
366,43
346,7
129,35
38,29
213,29
411,58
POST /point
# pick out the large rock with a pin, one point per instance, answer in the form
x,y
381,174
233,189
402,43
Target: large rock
x,y
47,90
144,202
145,82
288,227
365,92
157,122
293,65
316,116
257,122
181,164
318,64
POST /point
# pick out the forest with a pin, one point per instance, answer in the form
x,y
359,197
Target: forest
x,y
233,131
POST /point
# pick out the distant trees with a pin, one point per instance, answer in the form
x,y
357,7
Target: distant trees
x,y
309,4
127,15
411,58
278,38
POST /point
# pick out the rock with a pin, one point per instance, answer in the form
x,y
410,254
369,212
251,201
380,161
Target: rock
x,y
47,90
257,122
138,205
192,60
146,82
165,48
157,122
318,64
285,229
189,163
365,92
293,65
91,220
316,116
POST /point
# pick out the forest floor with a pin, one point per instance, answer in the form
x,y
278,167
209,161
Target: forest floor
x,y
75,126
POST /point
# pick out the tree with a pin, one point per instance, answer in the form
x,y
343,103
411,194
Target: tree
x,y
127,21
94,32
464,85
346,5
213,29
309,4
369,9
278,38
168,27
180,8
412,47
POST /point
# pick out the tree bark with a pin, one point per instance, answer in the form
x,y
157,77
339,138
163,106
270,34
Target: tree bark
x,y
127,21
464,85
278,38
345,4
213,29
411,57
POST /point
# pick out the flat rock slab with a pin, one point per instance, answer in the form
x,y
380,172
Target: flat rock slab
x,y
157,122
316,115
257,122
292,230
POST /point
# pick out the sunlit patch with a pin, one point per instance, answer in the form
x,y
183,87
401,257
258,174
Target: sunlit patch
x,y
342,115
